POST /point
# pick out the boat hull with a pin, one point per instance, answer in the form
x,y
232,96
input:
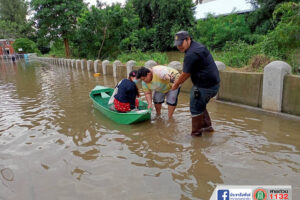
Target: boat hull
x,y
101,95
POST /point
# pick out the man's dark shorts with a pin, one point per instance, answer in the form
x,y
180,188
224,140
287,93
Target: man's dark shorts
x,y
199,97
171,97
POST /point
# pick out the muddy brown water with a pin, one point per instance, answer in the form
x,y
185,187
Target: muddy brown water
x,y
55,145
175,56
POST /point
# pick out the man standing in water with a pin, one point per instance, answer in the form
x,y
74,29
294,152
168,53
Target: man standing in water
x,y
159,79
200,66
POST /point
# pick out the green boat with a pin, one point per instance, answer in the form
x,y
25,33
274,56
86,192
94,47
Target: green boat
x,y
101,95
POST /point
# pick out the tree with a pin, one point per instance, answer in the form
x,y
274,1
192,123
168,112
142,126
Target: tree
x,y
198,2
100,4
166,17
100,31
9,29
57,19
260,21
14,11
13,23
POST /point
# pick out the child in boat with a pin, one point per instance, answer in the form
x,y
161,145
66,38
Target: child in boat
x,y
125,99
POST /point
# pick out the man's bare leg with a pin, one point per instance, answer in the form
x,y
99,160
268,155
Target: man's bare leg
x,y
158,109
171,110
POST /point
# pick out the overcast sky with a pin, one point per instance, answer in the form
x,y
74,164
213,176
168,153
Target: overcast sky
x,y
109,2
218,7
221,7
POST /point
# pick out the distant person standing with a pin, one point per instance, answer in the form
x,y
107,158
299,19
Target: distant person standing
x,y
200,66
13,58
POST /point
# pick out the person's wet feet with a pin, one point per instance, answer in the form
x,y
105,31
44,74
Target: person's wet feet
x,y
208,129
196,134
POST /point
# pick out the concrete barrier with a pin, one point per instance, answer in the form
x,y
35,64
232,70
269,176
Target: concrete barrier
x,y
109,69
272,90
77,64
274,74
82,64
104,66
129,66
243,88
291,95
176,65
186,86
96,66
150,63
65,62
69,62
73,63
221,66
89,65
115,65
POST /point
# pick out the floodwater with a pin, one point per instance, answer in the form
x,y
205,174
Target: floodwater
x,y
175,56
55,145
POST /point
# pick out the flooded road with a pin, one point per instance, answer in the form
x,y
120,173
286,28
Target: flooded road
x,y
55,145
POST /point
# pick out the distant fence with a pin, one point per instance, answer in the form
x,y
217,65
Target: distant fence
x,y
274,90
9,57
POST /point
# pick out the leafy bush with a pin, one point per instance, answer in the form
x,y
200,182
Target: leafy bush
x,y
287,32
27,45
57,49
253,38
236,54
284,38
279,43
215,32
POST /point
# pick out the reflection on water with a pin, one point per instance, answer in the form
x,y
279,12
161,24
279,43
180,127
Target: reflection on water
x,y
52,139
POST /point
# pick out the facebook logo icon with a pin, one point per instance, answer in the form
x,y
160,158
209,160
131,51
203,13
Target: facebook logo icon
x,y
223,194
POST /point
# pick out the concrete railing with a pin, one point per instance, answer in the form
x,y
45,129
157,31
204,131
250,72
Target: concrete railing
x,y
104,66
96,70
129,66
89,65
273,90
116,64
274,74
243,88
291,95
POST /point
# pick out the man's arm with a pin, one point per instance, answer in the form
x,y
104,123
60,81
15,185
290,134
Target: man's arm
x,y
149,98
183,77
